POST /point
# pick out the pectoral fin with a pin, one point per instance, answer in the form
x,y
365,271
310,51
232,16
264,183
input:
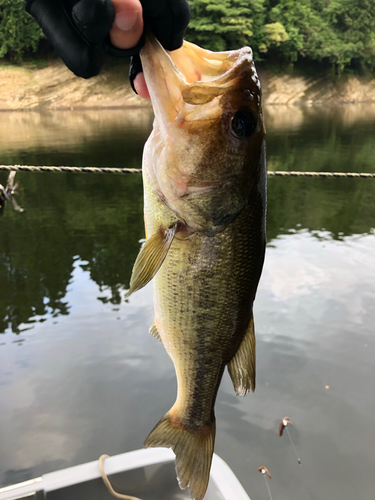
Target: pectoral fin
x,y
154,331
242,366
151,257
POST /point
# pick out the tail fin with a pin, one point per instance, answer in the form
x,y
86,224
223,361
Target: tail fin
x,y
193,450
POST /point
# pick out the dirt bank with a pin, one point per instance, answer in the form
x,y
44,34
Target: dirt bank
x,y
55,87
288,89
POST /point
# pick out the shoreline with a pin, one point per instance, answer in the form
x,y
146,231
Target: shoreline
x,y
55,88
42,109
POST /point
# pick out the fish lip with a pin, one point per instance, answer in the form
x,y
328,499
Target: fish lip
x,y
154,48
164,82
174,84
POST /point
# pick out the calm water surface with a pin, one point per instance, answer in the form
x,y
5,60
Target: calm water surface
x,y
79,373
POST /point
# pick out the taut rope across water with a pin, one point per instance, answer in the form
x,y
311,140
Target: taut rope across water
x,y
121,171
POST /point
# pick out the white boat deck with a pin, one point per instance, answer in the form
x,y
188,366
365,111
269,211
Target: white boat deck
x,y
148,474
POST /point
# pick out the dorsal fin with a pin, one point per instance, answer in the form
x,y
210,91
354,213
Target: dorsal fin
x,y
242,366
151,257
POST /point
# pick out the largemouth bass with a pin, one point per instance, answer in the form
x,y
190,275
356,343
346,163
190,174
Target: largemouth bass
x,y
204,176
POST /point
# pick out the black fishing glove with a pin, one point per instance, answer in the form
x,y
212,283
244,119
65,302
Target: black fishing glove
x,y
79,30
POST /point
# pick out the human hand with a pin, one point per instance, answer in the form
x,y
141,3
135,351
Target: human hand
x,y
126,33
79,30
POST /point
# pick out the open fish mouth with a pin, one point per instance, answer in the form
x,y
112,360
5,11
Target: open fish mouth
x,y
204,153
192,75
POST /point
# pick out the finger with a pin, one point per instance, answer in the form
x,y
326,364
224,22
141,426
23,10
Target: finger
x,y
128,26
140,86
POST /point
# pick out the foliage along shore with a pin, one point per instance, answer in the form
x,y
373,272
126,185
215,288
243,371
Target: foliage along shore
x,y
336,34
55,87
331,38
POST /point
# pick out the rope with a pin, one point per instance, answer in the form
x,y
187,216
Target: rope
x,y
74,170
118,171
320,174
108,484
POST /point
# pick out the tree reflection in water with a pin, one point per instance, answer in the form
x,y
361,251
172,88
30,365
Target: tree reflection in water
x,y
99,218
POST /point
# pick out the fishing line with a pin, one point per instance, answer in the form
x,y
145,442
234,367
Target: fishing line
x,y
294,448
268,486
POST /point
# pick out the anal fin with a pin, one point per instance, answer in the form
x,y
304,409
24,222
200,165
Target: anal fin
x,y
242,366
154,331
151,257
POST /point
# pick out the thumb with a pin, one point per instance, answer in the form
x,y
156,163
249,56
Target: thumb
x,y
128,25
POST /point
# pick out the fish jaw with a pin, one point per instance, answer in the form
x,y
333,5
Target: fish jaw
x,y
202,171
163,80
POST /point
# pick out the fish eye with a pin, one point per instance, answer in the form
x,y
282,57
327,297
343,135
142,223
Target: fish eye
x,y
243,124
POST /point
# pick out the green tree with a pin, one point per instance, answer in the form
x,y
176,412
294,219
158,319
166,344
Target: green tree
x,y
303,25
338,31
18,31
350,35
275,34
225,24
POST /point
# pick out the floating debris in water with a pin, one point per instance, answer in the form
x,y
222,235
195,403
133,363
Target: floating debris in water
x,y
266,474
285,421
284,425
7,194
264,470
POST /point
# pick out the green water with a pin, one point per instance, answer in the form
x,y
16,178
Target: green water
x,y
81,376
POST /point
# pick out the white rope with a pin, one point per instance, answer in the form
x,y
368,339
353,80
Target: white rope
x,y
108,484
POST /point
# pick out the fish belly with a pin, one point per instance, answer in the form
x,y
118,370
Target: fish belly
x,y
203,296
